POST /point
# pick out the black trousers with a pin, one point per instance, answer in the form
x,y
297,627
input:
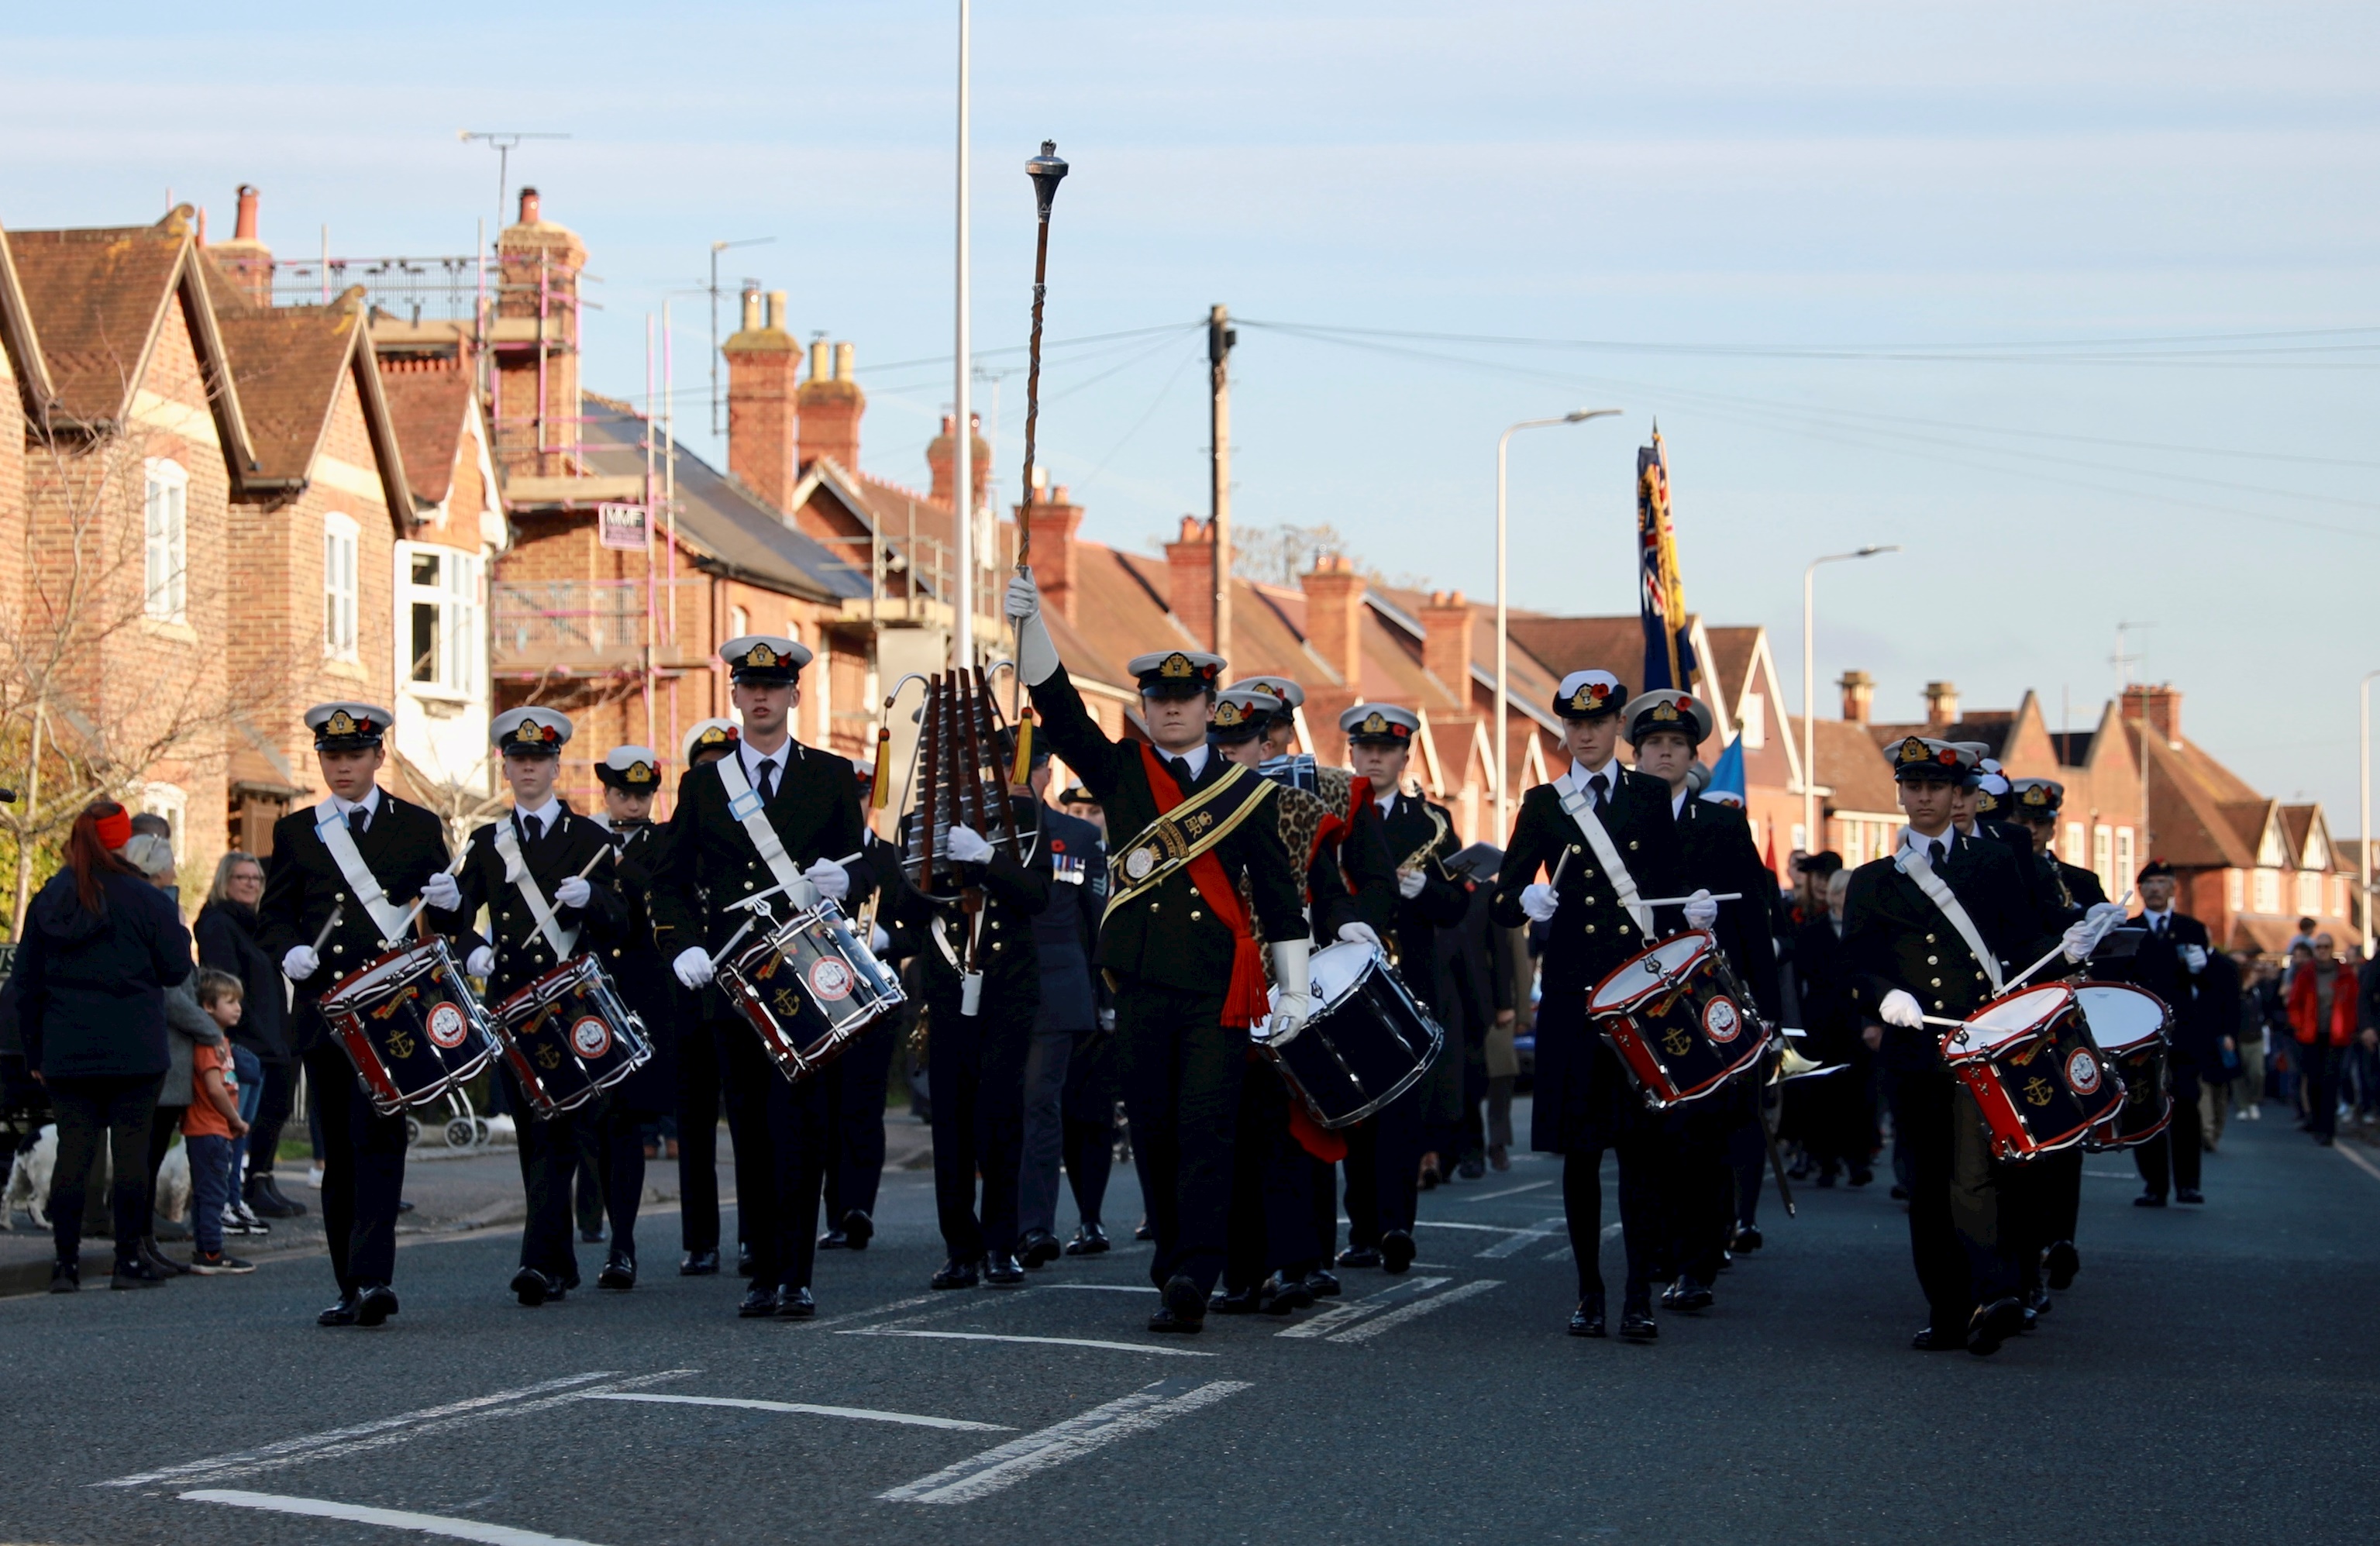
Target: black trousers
x,y
697,1129
1271,1224
363,1166
550,1150
1384,1170
856,1085
1181,1070
272,1111
2172,1158
1698,1182
2318,1066
1640,1154
779,1130
1955,1237
116,1111
1090,1126
2040,1201
977,1064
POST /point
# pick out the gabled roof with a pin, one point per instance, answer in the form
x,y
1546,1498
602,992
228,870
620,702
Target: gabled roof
x,y
430,400
2073,747
1852,766
2201,816
22,340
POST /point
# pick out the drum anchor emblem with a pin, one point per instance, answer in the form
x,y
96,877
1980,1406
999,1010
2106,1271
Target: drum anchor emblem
x,y
1676,1042
2036,1092
400,1043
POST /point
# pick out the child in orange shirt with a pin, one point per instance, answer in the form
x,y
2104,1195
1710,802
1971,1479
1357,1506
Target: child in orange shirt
x,y
209,1127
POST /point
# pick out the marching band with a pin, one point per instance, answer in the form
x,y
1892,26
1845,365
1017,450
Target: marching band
x,y
1246,948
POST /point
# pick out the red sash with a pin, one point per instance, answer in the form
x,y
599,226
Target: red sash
x,y
1245,1002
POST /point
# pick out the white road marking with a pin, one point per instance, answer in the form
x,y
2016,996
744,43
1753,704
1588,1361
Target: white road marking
x,y
1509,1191
1327,1320
850,1315
394,1518
1450,1224
862,1414
1611,1232
1561,1254
994,1469
1415,1310
278,1450
2360,1162
1546,1229
1101,1287
1051,1341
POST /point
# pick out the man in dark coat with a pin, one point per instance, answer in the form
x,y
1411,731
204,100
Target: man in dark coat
x,y
860,1077
1065,937
631,777
2171,963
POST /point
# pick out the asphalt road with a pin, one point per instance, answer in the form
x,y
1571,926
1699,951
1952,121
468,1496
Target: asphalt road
x,y
2214,1376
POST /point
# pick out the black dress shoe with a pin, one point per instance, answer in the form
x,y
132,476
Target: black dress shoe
x,y
265,1198
2032,1322
1396,1251
1236,1301
955,1274
2188,1194
1933,1340
2059,1263
1861,1176
403,1206
1636,1325
375,1302
2037,1302
1471,1167
1993,1325
758,1304
1089,1240
1322,1283
1588,1319
1184,1304
1359,1255
1038,1248
834,1240
340,1314
2149,1199
1687,1293
1142,1231
1166,1321
795,1304
160,1260
1747,1238
1900,1192
698,1264
745,1259
1287,1296
619,1274
590,1236
532,1287
66,1277
1002,1270
858,1228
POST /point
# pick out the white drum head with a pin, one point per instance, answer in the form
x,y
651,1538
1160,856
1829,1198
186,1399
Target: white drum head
x,y
1662,967
2120,1016
2014,1018
1333,972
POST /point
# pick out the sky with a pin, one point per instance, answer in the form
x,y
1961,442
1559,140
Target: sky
x,y
2073,302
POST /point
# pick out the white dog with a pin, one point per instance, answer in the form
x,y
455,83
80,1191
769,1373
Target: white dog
x,y
30,1176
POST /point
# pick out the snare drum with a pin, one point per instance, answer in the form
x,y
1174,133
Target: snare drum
x,y
569,1036
809,987
410,1025
1366,1043
1678,1019
2030,1065
2130,1025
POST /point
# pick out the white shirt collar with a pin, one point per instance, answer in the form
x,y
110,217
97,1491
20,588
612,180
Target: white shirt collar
x,y
1194,759
1580,774
1911,838
369,804
545,814
1678,801
2166,913
1388,804
754,759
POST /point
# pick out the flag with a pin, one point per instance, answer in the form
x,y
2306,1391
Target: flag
x,y
1668,655
1726,783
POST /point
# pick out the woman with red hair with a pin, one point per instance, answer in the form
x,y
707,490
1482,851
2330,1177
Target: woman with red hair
x,y
101,946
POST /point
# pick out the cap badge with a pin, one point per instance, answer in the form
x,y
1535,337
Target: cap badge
x,y
1665,710
530,730
1588,695
1913,751
760,656
639,771
1375,724
1175,666
342,724
1229,715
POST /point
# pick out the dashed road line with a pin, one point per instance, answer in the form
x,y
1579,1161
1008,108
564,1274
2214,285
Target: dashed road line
x,y
1326,1321
858,1414
2362,1163
1546,1229
850,1315
1047,1341
1509,1191
392,1518
996,1469
1456,1224
1102,1287
1367,1329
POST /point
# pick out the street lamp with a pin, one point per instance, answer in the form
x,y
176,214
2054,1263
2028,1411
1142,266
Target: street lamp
x,y
1503,632
2364,781
1810,689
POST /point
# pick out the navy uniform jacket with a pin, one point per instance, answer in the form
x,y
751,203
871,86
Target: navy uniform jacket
x,y
2158,967
639,969
403,846
1583,1095
707,861
1895,937
522,953
1066,932
1353,880
1405,830
1014,894
1721,856
1166,935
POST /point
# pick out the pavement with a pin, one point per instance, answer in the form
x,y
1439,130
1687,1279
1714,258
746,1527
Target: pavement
x,y
2214,1376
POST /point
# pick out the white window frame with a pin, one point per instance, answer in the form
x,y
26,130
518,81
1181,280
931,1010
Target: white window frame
x,y
2309,886
173,802
1751,720
165,540
2235,890
459,648
2075,846
2127,860
342,585
2103,858
2268,892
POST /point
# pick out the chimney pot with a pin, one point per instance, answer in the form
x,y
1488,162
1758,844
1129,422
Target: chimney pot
x,y
1334,618
751,310
244,225
1058,494
844,364
1190,578
1859,696
528,206
1446,641
777,311
1941,705
1053,523
821,368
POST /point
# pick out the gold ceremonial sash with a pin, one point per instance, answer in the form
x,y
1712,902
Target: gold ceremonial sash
x,y
1186,833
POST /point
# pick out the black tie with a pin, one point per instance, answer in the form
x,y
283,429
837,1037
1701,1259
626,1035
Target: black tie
x,y
768,781
531,828
2160,926
359,819
1179,768
1602,794
1940,850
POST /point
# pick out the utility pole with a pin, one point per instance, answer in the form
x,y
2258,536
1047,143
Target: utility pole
x,y
1221,336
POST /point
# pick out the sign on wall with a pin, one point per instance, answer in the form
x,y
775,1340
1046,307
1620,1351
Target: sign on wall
x,y
624,526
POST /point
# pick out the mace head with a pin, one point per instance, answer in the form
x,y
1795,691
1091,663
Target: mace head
x,y
1045,170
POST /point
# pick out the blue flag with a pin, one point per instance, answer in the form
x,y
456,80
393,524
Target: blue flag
x,y
1726,786
1668,654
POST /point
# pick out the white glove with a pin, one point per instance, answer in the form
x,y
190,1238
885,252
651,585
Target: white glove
x,y
300,963
482,961
1292,999
878,942
2079,941
1900,1008
1701,911
1036,658
1359,934
833,882
692,966
1409,883
442,893
2194,957
966,846
574,892
1537,901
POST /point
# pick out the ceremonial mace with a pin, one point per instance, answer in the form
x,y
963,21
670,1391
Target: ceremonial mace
x,y
1046,170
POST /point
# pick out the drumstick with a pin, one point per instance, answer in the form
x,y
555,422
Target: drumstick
x,y
454,868
1681,901
328,924
2056,951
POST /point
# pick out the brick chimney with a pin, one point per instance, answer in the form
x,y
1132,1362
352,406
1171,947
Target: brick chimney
x,y
2160,703
1053,522
943,451
762,359
1859,696
244,259
1446,641
538,267
830,405
1190,580
1334,615
1941,705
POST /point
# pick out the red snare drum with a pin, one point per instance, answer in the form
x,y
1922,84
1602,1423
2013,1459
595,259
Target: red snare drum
x,y
2030,1065
808,987
1680,1022
2130,1025
410,1025
569,1036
